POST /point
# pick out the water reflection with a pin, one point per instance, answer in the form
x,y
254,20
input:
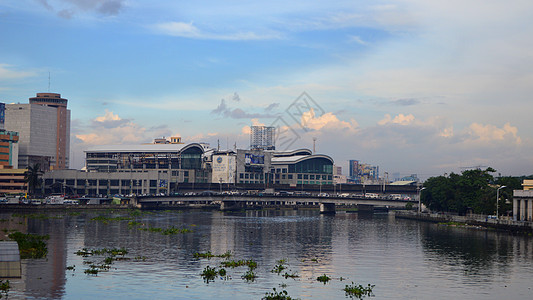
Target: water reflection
x,y
404,259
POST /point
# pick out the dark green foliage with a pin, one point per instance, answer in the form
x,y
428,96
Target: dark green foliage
x,y
4,288
275,295
358,291
30,245
209,274
33,178
249,275
472,190
324,278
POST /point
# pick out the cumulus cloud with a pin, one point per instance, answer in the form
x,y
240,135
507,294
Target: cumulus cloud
x,y
400,119
111,129
327,120
488,133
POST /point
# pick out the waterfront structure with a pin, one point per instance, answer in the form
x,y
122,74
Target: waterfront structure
x,y
44,131
159,168
155,168
291,167
262,137
523,202
12,181
224,167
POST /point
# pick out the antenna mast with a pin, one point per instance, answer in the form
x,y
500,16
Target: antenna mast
x,y
49,81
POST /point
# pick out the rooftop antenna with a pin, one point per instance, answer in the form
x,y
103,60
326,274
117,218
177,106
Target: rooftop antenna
x,y
314,142
49,81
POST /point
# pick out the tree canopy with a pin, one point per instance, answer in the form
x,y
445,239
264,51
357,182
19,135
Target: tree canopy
x,y
33,178
471,190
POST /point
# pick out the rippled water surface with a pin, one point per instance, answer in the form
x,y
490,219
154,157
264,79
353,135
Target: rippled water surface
x,y
403,259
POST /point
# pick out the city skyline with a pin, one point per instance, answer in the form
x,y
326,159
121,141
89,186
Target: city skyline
x,y
413,87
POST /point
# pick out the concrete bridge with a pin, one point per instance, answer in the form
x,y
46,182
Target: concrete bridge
x,y
238,202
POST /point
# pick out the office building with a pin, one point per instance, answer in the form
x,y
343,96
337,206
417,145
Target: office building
x,y
44,131
262,137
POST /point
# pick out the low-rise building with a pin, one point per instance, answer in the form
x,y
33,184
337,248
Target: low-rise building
x,y
523,202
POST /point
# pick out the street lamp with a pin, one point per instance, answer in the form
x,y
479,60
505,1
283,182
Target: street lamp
x,y
419,202
498,199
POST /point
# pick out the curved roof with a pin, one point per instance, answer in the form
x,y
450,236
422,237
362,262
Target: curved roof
x,y
300,152
146,148
298,158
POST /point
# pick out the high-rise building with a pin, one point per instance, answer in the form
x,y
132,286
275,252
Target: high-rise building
x,y
262,137
44,130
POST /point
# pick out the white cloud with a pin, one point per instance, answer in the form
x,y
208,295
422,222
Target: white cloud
x,y
7,72
188,30
490,133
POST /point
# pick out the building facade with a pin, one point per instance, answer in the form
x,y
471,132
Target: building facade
x,y
9,149
262,137
523,202
44,131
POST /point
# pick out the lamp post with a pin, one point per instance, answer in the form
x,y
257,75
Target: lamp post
x,y
419,202
498,199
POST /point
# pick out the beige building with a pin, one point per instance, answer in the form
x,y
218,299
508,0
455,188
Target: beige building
x,y
523,202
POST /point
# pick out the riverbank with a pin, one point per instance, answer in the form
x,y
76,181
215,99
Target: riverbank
x,y
472,220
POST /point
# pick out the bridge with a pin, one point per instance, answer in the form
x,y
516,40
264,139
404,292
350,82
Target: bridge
x,y
239,202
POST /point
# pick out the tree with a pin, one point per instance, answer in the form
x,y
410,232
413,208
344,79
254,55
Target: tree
x,y
459,193
33,178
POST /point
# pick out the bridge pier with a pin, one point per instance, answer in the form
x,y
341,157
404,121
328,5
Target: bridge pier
x,y
327,208
365,208
232,205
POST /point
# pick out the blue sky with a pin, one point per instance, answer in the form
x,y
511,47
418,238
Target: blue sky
x,y
411,86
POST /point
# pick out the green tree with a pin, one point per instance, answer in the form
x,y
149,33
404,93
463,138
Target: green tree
x,y
472,189
33,178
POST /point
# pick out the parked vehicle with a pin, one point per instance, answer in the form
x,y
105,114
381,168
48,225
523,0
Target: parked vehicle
x,y
55,199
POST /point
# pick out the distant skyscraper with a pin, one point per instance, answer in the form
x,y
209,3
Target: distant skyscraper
x,y
262,137
44,130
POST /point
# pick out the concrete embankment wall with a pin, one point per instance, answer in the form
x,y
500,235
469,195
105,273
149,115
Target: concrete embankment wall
x,y
501,224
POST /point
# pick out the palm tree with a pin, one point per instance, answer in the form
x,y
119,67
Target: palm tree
x,y
33,178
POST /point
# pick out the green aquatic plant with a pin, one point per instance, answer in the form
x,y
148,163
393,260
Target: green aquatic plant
x,y
292,275
91,271
4,288
323,278
207,255
358,291
275,295
30,245
278,269
249,275
238,263
209,274
106,220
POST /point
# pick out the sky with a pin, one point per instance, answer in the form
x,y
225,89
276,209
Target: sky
x,y
413,86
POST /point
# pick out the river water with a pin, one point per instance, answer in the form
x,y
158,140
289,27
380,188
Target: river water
x,y
404,259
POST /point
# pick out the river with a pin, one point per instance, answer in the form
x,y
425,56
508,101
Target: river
x,y
403,259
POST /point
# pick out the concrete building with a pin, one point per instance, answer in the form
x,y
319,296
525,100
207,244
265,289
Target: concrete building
x,y
44,131
262,137
9,150
523,202
12,181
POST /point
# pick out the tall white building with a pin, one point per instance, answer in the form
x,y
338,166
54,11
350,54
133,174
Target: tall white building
x,y
44,131
262,137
